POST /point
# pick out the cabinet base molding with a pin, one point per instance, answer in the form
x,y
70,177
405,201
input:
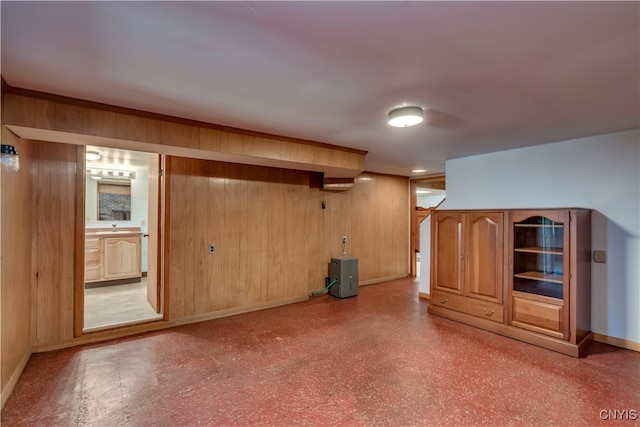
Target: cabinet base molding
x,y
548,342
617,342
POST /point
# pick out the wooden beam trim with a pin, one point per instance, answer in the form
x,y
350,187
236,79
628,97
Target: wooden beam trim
x,y
171,119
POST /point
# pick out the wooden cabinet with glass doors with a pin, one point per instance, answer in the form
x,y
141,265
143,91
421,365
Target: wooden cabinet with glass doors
x,y
532,285
549,280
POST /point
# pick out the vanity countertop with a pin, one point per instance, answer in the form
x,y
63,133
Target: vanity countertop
x,y
120,231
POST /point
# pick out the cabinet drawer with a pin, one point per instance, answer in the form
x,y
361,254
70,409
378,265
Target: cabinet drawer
x,y
92,243
91,255
92,273
467,305
538,316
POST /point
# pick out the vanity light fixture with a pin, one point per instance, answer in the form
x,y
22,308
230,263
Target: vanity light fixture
x,y
406,116
92,155
9,158
111,174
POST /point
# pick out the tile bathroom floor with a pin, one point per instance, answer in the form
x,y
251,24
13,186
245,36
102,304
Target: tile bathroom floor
x,y
375,359
117,305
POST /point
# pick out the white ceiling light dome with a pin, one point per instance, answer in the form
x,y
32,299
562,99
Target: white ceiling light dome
x,y
93,155
401,117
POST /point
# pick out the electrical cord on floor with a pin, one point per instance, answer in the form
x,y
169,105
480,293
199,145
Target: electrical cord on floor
x,y
322,291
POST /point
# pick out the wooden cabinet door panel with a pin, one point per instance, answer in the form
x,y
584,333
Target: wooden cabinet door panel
x,y
484,260
122,257
447,253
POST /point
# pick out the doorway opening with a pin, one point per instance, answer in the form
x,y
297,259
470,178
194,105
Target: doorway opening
x,y
121,225
427,195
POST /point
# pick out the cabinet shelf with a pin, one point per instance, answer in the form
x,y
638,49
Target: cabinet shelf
x,y
541,276
538,287
540,250
538,225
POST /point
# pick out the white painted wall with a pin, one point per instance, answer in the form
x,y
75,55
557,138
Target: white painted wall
x,y
425,255
428,201
139,207
601,173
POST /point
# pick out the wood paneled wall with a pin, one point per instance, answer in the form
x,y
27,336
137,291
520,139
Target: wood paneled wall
x,y
15,268
54,209
273,239
52,115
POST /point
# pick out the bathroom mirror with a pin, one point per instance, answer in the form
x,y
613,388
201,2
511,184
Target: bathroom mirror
x,y
114,202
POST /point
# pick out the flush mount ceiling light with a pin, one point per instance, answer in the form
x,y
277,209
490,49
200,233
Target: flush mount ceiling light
x,y
418,170
93,155
402,117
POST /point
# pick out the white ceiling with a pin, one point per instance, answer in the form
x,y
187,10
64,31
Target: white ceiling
x,y
491,75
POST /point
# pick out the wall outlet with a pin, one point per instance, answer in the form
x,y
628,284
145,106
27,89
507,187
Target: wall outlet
x,y
212,248
600,256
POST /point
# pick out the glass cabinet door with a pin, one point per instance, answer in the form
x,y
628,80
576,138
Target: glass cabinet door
x,y
538,261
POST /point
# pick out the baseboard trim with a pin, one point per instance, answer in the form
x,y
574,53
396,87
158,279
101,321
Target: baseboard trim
x,y
91,337
382,279
8,388
617,342
424,295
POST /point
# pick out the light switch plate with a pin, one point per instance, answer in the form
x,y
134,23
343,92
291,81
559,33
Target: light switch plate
x,y
600,256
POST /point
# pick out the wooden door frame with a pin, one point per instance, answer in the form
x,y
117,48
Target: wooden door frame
x,y
416,217
79,227
79,246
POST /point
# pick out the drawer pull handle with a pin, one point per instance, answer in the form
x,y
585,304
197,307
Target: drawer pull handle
x,y
443,300
488,313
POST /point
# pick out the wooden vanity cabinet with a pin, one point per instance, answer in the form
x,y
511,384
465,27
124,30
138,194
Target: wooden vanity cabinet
x,y
92,259
112,256
525,274
122,258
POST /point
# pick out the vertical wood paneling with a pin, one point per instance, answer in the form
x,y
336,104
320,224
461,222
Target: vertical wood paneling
x,y
45,114
54,184
99,122
381,203
190,234
46,244
201,228
216,226
15,268
235,241
69,118
67,227
177,223
213,140
256,206
21,109
277,218
130,127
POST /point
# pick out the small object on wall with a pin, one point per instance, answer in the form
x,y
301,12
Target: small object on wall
x,y
600,256
212,248
9,158
324,204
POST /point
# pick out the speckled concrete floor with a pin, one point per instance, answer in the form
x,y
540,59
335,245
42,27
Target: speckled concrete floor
x,y
376,359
